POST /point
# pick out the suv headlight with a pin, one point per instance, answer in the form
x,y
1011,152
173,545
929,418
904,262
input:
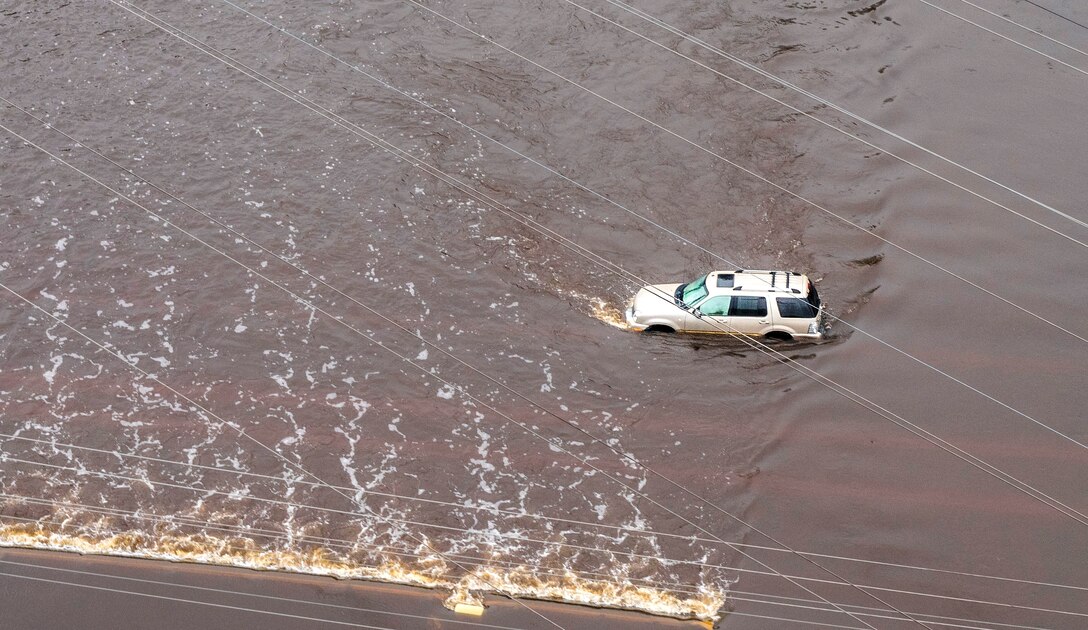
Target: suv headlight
x,y
813,328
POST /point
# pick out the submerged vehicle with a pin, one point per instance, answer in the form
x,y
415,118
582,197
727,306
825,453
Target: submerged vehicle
x,y
779,305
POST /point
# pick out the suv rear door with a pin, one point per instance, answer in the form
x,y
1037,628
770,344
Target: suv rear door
x,y
748,314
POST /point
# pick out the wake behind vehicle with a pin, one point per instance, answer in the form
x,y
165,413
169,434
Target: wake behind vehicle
x,y
780,305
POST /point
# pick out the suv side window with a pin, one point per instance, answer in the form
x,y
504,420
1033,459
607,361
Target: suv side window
x,y
795,307
716,306
745,306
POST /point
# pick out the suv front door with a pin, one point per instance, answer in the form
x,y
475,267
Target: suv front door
x,y
713,316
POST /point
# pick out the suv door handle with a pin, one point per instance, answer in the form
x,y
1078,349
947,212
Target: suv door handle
x,y
764,321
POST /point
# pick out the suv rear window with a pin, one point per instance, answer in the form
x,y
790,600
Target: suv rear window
x,y
795,307
745,306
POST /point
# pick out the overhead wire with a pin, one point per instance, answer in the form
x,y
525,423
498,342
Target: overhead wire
x,y
472,560
115,192
640,216
936,619
349,608
1055,13
1004,37
238,429
291,600
315,308
947,624
1026,28
182,600
241,431
223,591
818,624
253,74
311,305
297,298
131,172
240,530
620,4
331,543
236,6
524,514
633,278
340,543
404,358
747,170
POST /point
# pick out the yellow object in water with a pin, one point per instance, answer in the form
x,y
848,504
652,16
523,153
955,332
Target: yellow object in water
x,y
469,609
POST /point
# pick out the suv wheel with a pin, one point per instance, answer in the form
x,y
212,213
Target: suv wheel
x,y
778,336
659,328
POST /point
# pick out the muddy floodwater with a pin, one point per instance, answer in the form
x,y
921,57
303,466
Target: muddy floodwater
x,y
336,288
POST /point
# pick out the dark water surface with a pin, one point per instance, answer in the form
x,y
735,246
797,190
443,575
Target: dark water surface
x,y
752,435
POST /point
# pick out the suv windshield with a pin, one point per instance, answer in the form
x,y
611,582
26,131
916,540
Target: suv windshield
x,y
693,291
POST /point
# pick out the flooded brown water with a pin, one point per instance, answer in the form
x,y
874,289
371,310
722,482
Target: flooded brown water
x,y
451,474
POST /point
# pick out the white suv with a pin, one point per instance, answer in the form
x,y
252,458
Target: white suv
x,y
771,304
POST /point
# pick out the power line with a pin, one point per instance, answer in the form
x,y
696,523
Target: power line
x,y
618,270
309,304
394,322
241,432
842,110
934,368
640,216
472,560
349,545
876,615
1076,515
379,142
936,619
179,599
293,98
521,514
1067,19
138,204
37,566
390,613
791,620
222,591
5,457
35,305
1004,37
1031,30
744,169
613,268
